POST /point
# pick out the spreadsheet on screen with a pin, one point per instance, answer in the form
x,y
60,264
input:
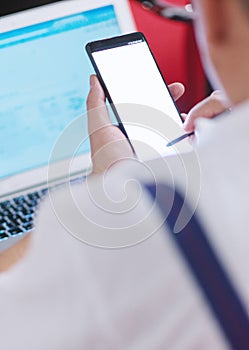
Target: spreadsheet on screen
x,y
44,84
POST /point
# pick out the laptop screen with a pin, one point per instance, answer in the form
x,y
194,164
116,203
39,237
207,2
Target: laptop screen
x,y
44,84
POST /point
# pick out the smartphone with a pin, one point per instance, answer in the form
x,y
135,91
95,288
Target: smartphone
x,y
130,76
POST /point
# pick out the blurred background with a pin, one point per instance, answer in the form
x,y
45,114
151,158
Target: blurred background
x,y
172,42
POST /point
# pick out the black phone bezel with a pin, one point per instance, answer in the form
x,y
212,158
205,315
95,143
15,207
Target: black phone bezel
x,y
117,41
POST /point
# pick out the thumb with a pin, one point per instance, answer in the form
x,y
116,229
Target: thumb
x,y
98,116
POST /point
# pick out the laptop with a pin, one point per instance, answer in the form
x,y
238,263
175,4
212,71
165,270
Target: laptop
x,y
44,83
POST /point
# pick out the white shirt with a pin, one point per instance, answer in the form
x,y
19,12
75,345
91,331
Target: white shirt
x,y
66,294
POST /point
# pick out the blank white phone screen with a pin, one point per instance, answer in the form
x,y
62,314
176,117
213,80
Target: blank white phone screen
x,y
131,76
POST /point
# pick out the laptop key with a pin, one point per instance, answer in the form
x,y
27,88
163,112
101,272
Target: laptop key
x,y
27,226
43,192
4,212
15,231
5,204
3,236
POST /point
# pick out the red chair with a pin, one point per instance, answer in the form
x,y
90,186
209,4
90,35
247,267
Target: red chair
x,y
174,47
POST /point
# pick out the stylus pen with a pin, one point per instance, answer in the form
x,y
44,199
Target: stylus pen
x,y
178,139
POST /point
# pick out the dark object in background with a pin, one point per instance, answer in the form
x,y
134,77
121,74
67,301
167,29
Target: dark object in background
x,y
169,11
10,6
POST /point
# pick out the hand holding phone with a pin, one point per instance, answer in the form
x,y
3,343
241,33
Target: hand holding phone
x,y
129,74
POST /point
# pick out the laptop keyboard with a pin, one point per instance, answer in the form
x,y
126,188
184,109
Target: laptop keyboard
x,y
17,215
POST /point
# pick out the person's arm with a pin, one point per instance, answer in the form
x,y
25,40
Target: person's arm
x,y
12,255
103,135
